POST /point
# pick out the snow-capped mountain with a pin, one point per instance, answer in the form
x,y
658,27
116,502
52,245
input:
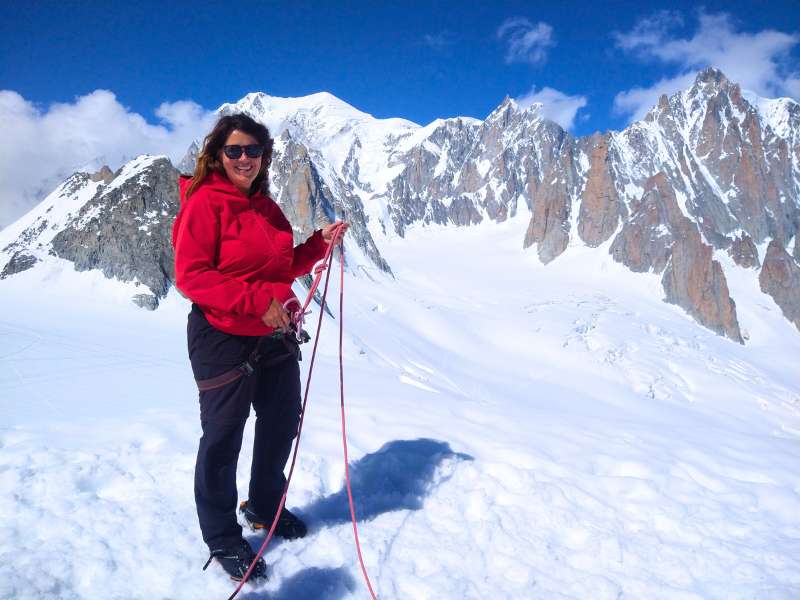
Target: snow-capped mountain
x,y
707,175
526,418
117,223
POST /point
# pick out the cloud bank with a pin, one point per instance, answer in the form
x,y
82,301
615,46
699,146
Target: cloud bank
x,y
759,61
42,147
556,106
527,43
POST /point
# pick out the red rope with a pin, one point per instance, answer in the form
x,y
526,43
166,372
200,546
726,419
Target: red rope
x,y
297,318
344,426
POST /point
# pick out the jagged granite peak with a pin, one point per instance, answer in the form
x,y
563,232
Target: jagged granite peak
x,y
312,194
503,114
27,241
734,173
298,188
426,187
189,160
708,168
695,281
124,229
601,206
645,240
104,175
710,81
744,252
117,224
780,278
659,237
721,171
309,203
549,227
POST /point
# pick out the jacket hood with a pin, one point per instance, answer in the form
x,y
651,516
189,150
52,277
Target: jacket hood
x,y
214,182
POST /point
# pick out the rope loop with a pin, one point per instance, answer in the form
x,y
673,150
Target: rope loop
x,y
297,319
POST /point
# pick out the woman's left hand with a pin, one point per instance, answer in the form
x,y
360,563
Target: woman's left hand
x,y
327,231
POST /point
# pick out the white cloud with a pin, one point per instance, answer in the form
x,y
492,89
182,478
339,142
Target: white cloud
x,y
756,61
526,42
40,148
439,41
636,102
648,32
556,106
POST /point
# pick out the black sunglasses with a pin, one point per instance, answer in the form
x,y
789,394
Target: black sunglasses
x,y
234,151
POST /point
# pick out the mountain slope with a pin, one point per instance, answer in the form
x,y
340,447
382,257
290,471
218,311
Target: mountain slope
x,y
563,434
704,176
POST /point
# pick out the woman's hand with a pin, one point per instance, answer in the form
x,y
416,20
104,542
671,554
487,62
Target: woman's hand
x,y
327,231
276,316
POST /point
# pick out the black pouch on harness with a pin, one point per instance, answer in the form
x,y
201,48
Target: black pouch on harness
x,y
274,349
269,351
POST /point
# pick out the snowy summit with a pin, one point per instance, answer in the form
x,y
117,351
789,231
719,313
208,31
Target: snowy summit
x,y
569,363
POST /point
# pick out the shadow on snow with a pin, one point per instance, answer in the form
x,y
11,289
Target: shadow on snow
x,y
310,584
396,477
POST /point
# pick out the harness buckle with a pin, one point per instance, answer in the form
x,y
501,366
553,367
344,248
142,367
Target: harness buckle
x,y
246,368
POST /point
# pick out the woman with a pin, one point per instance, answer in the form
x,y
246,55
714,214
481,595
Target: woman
x,y
235,259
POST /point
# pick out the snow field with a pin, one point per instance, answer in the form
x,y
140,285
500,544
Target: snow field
x,y
515,431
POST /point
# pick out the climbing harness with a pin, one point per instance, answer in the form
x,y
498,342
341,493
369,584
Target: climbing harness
x,y
256,359
297,318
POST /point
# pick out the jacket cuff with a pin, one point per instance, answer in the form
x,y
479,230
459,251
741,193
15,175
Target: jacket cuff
x,y
262,299
319,244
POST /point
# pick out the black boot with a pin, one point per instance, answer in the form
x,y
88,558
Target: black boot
x,y
237,559
289,526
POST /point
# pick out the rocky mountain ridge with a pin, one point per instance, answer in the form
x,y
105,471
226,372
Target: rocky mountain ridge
x,y
708,170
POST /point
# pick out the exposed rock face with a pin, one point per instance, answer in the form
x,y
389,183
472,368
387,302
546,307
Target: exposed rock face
x,y
660,236
706,169
744,252
148,301
306,198
549,227
780,278
105,175
733,180
32,243
309,203
600,204
125,229
189,160
724,170
20,261
645,241
299,190
695,282
730,169
429,192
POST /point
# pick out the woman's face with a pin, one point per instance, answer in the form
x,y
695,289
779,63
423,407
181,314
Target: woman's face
x,y
243,170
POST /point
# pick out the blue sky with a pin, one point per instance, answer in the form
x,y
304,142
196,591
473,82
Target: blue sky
x,y
413,60
89,82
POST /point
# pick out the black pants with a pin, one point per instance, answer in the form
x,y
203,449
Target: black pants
x,y
274,392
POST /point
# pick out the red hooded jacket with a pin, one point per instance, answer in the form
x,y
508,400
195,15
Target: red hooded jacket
x,y
234,254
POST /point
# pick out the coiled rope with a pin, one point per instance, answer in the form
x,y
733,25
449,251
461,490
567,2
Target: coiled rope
x,y
297,318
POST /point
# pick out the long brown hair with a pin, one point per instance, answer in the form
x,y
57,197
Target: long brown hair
x,y
208,160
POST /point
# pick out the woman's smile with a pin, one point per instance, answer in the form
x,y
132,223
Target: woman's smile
x,y
240,171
